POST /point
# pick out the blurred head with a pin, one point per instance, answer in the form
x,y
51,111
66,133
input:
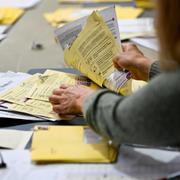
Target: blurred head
x,y
168,29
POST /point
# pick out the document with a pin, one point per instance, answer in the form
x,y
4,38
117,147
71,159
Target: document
x,y
71,144
9,15
89,46
14,139
51,80
19,3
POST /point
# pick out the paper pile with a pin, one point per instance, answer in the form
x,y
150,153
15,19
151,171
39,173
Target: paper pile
x,y
31,95
64,15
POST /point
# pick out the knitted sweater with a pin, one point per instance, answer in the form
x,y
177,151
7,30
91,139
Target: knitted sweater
x,y
150,116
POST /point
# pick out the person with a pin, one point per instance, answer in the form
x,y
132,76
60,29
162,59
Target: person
x,y
150,116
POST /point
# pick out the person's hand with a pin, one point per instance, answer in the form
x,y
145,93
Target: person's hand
x,y
69,99
133,60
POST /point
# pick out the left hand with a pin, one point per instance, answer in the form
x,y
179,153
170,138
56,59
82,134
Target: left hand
x,y
69,99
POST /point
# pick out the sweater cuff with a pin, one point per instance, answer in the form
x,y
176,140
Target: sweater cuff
x,y
88,107
154,69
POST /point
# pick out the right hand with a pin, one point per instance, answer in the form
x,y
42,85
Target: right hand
x,y
133,60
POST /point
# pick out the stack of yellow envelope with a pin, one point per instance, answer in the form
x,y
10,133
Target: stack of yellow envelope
x,y
68,144
10,15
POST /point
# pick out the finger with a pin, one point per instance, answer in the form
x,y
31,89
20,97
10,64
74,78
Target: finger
x,y
120,61
59,109
58,91
64,86
54,99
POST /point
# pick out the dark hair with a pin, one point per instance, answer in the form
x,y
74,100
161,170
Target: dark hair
x,y
168,29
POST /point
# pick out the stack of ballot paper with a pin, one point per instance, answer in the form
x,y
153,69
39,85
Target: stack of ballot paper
x,y
31,95
64,15
89,45
71,144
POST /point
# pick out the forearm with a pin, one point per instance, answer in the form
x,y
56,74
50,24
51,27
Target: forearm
x,y
141,118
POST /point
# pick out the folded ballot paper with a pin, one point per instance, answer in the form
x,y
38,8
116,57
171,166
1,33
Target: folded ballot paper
x,y
70,144
89,45
31,95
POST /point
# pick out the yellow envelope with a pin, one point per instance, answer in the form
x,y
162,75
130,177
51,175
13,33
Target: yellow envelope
x,y
71,144
128,12
145,4
10,15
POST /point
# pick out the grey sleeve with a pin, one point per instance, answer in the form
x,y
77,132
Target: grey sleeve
x,y
150,116
154,69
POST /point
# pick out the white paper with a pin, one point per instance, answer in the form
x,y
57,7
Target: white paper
x,y
11,79
20,165
130,166
136,25
151,43
3,36
14,139
159,155
20,116
18,3
3,28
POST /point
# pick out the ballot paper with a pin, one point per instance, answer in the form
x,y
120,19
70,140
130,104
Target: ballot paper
x,y
89,45
14,139
31,95
18,3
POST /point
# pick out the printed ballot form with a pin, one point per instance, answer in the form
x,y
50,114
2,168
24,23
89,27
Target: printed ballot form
x,y
89,45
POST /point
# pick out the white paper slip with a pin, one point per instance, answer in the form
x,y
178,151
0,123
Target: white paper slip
x,y
15,115
151,43
14,139
159,155
18,3
11,79
145,25
2,36
3,28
